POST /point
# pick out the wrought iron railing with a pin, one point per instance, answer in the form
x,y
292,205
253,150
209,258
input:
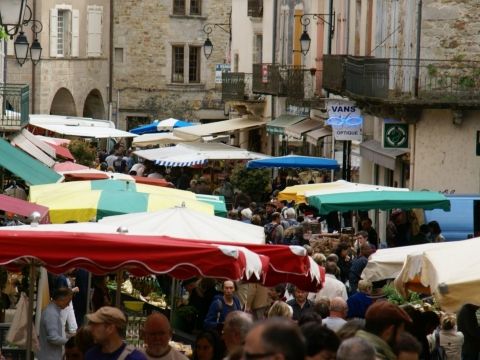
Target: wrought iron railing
x,y
14,106
454,80
279,80
236,86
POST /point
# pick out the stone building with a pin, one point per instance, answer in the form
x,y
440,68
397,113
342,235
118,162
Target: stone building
x,y
72,76
160,69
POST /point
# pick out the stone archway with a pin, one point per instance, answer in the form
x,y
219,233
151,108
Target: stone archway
x,y
63,103
94,106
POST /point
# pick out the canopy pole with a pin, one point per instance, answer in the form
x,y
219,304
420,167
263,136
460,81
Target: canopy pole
x,y
118,293
31,289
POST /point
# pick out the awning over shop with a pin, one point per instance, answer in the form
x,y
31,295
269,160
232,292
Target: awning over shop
x,y
373,151
313,136
278,125
299,129
82,127
23,208
197,131
30,148
24,166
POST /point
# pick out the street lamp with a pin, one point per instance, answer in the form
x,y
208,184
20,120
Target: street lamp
x,y
305,40
12,15
21,45
35,51
21,48
207,29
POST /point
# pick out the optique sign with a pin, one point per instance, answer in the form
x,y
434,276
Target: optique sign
x,y
345,119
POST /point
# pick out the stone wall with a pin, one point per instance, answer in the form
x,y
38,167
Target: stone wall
x,y
145,33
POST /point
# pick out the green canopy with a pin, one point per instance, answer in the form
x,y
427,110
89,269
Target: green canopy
x,y
218,203
25,167
382,200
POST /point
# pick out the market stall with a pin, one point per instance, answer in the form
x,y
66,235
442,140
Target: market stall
x,y
294,161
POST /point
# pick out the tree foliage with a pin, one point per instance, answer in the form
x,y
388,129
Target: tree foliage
x,y
254,182
82,152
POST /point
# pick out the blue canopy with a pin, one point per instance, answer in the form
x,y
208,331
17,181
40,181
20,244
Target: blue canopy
x,y
160,126
294,161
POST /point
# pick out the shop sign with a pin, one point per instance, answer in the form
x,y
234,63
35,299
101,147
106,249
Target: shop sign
x,y
395,135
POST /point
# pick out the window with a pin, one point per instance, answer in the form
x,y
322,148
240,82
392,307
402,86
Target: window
x,y
119,55
255,8
194,64
64,31
178,54
94,30
179,7
195,7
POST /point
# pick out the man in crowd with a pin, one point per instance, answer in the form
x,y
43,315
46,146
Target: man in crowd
x,y
321,342
355,348
300,304
108,325
332,286
468,324
384,323
237,325
358,264
52,329
360,301
157,334
274,230
275,338
338,313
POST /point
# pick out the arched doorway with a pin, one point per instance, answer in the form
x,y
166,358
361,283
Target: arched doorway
x,y
94,106
63,103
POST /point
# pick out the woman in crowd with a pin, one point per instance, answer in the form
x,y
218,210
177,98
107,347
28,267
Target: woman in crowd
x,y
208,346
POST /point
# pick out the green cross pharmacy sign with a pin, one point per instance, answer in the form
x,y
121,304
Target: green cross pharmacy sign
x,y
395,135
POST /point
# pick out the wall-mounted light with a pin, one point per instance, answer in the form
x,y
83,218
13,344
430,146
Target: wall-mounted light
x,y
207,29
305,40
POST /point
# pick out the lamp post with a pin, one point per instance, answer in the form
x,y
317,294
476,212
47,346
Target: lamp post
x,y
305,40
208,29
13,17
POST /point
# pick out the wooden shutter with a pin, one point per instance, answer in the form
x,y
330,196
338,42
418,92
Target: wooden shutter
x,y
53,32
75,32
94,24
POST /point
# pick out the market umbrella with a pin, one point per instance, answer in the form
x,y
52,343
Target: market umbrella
x,y
382,200
294,161
163,125
84,206
450,272
299,193
23,208
217,201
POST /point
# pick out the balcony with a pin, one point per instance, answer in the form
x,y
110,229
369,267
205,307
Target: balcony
x,y
14,103
441,83
236,86
274,79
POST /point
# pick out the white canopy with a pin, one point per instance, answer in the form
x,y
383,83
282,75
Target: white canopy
x,y
197,131
168,138
196,154
76,126
451,271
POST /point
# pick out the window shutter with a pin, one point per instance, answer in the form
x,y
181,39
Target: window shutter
x,y
75,32
94,20
53,32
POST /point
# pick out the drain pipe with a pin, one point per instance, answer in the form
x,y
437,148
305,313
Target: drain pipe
x,y
274,50
34,11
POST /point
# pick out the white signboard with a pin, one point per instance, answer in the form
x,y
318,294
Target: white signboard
x,y
345,119
219,69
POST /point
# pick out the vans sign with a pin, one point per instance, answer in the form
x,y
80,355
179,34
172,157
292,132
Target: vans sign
x,y
345,119
342,108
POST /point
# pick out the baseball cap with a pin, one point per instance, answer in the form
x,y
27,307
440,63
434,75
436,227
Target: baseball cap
x,y
108,315
385,311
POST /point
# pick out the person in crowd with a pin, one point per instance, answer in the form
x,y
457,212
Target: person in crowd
x,y
237,325
222,305
77,346
52,329
280,309
193,186
332,286
157,334
138,169
68,314
233,214
208,346
450,339
101,294
322,306
384,322
422,235
277,339
350,328
321,342
338,313
300,304
274,231
257,301
356,348
310,316
408,347
435,232
320,259
257,220
80,299
108,325
246,216
201,293
361,238
468,324
358,264
359,302
270,209
398,229
344,260
290,217
372,235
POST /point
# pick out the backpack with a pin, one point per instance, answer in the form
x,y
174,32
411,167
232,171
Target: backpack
x,y
438,352
269,231
119,164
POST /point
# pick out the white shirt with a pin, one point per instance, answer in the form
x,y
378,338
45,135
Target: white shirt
x,y
332,288
334,323
173,354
